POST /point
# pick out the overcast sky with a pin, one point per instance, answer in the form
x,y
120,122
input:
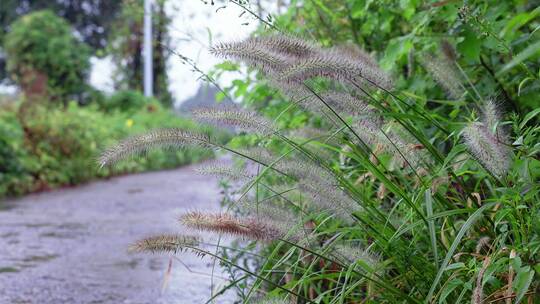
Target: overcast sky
x,y
194,25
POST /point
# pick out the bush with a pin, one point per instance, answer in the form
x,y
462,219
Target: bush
x,y
15,176
126,101
54,147
42,43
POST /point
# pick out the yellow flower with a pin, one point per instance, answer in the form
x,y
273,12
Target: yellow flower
x,y
129,123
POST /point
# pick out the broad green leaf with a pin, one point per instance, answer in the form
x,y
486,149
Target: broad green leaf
x,y
470,46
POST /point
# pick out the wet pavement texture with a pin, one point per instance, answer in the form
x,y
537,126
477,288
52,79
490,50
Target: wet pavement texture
x,y
70,245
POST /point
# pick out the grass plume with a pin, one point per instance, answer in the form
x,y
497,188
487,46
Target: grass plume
x,y
251,53
445,74
271,53
487,149
224,171
336,66
154,139
247,228
491,115
243,119
167,243
353,254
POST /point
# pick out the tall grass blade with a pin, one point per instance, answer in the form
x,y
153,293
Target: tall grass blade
x,y
431,224
466,226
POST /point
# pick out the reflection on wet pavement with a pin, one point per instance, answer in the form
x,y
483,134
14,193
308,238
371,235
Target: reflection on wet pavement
x,y
69,246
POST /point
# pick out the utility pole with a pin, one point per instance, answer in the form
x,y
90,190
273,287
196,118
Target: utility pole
x,y
147,49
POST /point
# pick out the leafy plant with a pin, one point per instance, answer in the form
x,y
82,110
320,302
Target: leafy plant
x,y
55,147
125,101
42,43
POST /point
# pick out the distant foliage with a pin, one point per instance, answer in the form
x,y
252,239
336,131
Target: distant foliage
x,y
55,147
125,47
93,25
126,101
42,44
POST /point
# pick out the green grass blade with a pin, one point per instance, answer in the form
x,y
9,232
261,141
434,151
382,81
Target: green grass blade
x,y
431,223
468,224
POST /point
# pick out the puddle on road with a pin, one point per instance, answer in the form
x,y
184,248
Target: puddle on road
x,y
133,191
6,207
37,225
132,264
36,260
9,234
59,235
8,270
40,258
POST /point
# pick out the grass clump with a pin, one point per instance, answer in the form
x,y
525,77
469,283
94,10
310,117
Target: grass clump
x,y
393,203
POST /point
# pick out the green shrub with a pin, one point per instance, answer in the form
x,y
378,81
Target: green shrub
x,y
56,146
42,42
15,175
126,101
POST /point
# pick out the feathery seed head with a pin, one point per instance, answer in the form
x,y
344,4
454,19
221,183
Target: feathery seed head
x,y
368,129
482,242
355,53
478,293
491,116
287,45
353,254
154,139
445,74
346,103
335,66
270,53
297,93
395,141
243,119
224,171
301,168
448,50
405,148
329,199
295,60
168,243
253,54
487,149
260,154
248,228
268,211
310,133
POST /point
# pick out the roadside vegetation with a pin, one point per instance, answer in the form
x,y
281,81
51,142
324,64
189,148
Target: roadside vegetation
x,y
51,134
390,154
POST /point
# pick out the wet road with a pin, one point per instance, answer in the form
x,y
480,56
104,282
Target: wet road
x,y
69,246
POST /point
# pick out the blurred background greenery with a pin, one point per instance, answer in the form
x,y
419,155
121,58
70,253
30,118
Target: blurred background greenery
x,y
52,130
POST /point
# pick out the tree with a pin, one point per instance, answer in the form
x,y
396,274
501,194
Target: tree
x,y
44,56
126,48
92,19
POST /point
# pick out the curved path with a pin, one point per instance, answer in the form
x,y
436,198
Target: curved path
x,y
69,246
